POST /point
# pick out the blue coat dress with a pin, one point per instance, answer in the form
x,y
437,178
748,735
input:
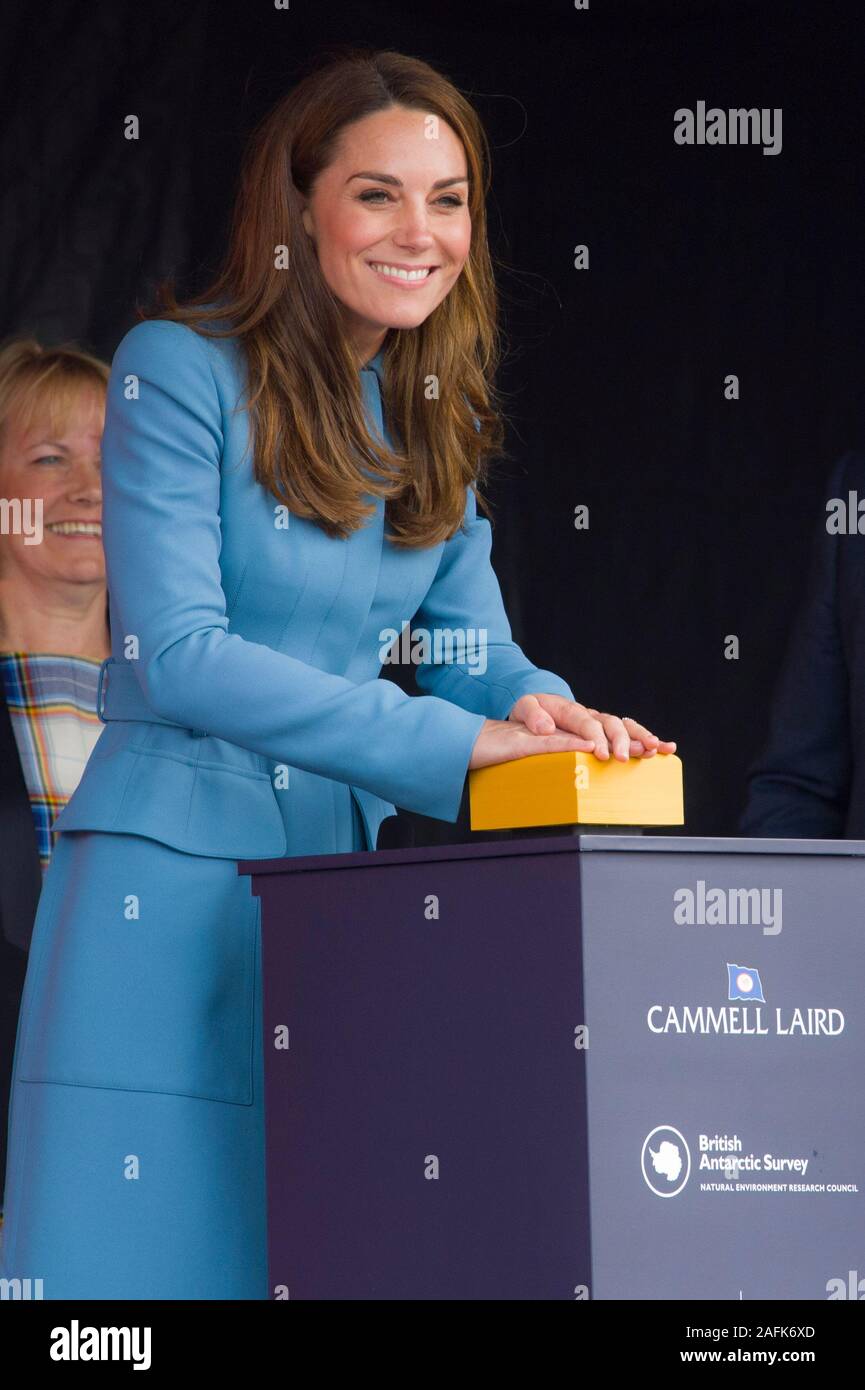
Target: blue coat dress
x,y
245,718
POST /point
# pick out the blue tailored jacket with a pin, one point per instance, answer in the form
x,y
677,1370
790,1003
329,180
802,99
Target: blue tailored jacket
x,y
242,700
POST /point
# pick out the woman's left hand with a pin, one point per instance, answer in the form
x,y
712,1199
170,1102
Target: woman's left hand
x,y
543,714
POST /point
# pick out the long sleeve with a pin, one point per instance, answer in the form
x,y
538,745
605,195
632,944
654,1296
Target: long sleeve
x,y
465,598
161,488
799,785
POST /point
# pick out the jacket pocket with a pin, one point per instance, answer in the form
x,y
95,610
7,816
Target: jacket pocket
x,y
143,972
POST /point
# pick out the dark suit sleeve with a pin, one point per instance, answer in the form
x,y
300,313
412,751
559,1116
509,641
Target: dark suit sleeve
x,y
799,785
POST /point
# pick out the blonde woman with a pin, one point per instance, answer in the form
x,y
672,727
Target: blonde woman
x,y
53,629
290,467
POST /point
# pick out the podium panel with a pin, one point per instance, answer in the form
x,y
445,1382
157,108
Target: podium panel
x,y
724,987
602,1066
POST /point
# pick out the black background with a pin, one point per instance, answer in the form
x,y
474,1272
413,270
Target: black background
x,y
704,261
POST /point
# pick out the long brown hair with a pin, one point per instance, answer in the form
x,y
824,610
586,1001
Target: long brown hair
x,y
312,449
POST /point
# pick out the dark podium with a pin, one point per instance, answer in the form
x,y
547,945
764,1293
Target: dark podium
x,y
566,1066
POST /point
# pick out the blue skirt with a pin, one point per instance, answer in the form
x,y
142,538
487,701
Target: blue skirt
x,y
136,1121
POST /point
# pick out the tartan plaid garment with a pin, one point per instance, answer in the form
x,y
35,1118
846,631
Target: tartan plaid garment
x,y
52,706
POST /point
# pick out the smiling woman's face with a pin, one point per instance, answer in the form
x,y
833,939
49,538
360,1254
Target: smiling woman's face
x,y
64,472
393,200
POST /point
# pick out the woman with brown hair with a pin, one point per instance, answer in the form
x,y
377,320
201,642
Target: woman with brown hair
x,y
290,469
53,629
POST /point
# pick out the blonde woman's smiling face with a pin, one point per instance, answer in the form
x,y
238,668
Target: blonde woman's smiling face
x,y
62,469
390,221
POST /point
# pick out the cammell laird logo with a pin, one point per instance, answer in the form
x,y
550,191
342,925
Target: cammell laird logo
x,y
744,982
748,1018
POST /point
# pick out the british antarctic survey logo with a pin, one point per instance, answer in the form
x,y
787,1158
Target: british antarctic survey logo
x,y
666,1161
666,1165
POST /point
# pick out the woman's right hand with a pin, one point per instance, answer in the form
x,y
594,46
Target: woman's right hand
x,y
502,741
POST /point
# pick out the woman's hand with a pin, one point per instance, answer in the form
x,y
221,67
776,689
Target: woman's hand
x,y
552,724
543,714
